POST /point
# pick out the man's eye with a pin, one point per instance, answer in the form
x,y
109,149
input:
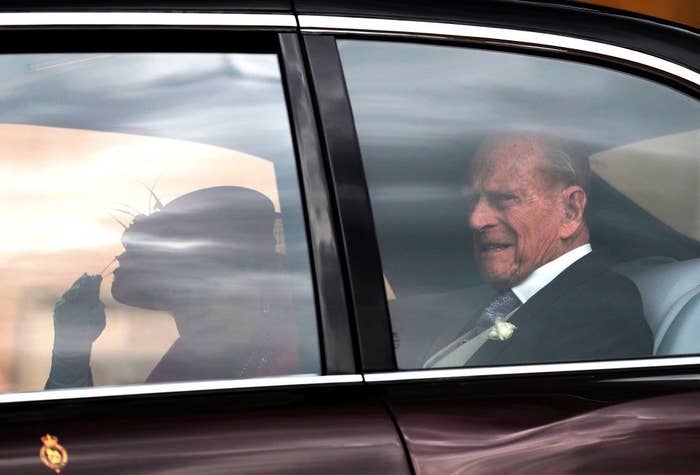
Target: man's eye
x,y
503,198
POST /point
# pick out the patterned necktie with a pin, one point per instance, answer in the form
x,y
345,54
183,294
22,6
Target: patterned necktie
x,y
498,309
504,303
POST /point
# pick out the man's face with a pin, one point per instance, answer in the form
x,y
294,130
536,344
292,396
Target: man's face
x,y
515,216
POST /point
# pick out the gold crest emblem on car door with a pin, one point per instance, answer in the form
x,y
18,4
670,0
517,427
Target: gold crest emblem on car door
x,y
52,454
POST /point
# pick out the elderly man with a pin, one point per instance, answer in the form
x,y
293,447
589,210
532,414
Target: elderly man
x,y
554,301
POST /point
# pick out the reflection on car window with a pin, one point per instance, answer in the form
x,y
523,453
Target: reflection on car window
x,y
155,230
528,210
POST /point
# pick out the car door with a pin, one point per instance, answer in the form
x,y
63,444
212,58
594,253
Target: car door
x,y
173,294
405,103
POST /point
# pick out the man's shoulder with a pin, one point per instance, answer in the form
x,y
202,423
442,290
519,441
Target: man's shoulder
x,y
590,290
601,298
589,312
592,271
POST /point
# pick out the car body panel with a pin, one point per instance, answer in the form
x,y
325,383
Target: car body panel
x,y
278,431
569,432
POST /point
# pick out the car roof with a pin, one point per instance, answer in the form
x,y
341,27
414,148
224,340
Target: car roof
x,y
656,37
457,10
677,12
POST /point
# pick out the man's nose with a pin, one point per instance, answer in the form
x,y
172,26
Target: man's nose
x,y
482,215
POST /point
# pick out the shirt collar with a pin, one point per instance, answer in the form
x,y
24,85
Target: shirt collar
x,y
543,275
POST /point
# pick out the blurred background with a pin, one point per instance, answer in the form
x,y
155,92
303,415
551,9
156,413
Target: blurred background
x,y
680,11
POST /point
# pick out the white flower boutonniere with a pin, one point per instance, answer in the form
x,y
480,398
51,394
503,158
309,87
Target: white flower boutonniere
x,y
501,330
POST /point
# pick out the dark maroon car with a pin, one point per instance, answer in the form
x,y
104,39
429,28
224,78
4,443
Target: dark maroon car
x,y
240,237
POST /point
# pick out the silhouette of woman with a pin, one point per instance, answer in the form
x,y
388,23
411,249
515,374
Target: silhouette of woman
x,y
208,258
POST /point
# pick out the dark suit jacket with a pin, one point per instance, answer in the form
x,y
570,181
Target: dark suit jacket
x,y
587,312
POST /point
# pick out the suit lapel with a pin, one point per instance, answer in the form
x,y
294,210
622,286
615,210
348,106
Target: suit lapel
x,y
449,335
460,326
534,314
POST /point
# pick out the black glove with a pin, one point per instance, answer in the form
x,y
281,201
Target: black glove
x,y
78,319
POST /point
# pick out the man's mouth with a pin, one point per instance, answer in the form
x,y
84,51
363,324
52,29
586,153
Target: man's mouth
x,y
493,246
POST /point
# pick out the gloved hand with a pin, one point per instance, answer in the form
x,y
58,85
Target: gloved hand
x,y
79,316
78,319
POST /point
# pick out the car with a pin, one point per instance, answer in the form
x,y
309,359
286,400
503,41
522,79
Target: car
x,y
235,231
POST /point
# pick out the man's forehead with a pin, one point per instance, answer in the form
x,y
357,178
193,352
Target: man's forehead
x,y
509,159
520,145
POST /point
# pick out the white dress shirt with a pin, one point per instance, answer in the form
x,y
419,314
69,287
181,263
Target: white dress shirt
x,y
460,350
545,274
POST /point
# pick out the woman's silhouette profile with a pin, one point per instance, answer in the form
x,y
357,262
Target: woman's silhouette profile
x,y
208,258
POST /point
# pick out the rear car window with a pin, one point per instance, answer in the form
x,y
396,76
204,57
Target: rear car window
x,y
153,222
527,209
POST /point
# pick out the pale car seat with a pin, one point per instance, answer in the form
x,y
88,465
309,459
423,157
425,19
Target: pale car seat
x,y
683,335
667,288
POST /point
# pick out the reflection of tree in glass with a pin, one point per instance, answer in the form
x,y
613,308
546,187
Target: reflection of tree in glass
x,y
208,258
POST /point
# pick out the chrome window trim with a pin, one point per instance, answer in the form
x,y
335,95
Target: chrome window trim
x,y
684,378
146,19
171,388
313,23
534,369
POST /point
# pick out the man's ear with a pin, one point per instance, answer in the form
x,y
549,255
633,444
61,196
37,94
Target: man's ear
x,y
574,203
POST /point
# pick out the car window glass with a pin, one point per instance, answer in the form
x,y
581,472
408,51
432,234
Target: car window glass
x,y
153,222
527,209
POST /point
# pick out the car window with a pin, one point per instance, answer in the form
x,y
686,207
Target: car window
x,y
153,222
527,209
